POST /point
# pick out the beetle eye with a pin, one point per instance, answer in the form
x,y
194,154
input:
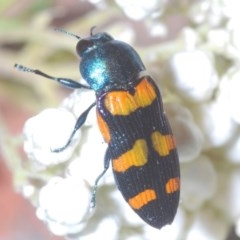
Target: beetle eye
x,y
83,45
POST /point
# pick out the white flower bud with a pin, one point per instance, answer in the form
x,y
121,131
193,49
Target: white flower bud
x,y
47,131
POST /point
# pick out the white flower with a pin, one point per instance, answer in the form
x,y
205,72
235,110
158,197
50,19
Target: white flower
x,y
139,9
48,131
64,205
208,224
193,75
188,136
229,88
199,183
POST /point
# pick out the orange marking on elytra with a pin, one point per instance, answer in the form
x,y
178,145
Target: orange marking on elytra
x,y
123,103
163,144
142,198
172,185
103,128
136,156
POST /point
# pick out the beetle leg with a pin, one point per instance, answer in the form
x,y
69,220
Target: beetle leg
x,y
80,121
107,159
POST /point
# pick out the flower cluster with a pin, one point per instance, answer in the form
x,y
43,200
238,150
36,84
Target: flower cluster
x,y
200,83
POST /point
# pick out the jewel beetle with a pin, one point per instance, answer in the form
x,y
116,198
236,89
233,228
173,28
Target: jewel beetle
x,y
131,118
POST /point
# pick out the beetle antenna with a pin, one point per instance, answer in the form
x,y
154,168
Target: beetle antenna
x,y
91,30
68,33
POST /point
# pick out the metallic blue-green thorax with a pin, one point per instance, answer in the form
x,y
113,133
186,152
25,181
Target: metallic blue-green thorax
x,y
107,62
